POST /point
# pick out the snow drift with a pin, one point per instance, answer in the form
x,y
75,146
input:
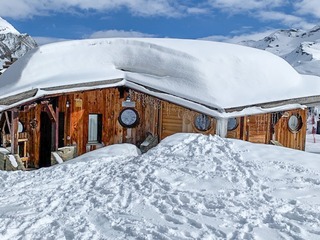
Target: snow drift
x,y
188,187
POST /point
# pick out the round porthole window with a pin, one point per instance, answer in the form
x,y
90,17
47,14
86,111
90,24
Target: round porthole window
x,y
202,122
232,124
294,123
128,118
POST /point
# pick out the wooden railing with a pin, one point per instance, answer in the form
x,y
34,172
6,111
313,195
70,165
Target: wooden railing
x,y
22,145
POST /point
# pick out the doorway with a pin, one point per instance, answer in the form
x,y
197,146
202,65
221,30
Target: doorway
x,y
45,140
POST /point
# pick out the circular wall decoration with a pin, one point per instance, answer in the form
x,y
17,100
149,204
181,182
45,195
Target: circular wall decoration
x,y
128,118
295,123
202,122
33,123
232,124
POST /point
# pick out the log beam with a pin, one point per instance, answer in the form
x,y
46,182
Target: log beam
x,y
49,109
8,121
14,131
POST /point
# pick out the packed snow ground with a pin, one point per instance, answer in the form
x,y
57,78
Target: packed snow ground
x,y
190,186
313,143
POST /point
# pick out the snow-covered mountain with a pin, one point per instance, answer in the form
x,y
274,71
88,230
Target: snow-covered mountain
x,y
300,48
12,43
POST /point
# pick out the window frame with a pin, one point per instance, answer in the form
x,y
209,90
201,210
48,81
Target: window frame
x,y
132,125
299,123
98,138
208,118
235,126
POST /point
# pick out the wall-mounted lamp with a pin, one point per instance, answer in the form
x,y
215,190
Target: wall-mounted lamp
x,y
128,102
67,104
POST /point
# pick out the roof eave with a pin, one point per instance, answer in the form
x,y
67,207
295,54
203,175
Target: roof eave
x,y
308,101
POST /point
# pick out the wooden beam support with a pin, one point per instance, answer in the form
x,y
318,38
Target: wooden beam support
x,y
27,108
4,123
8,121
49,109
51,113
55,126
14,131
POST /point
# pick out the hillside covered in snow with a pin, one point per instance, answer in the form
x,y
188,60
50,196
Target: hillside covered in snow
x,y
300,48
190,186
12,43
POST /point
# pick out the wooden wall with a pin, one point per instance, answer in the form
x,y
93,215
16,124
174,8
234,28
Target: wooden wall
x,y
284,136
175,119
256,128
107,102
156,117
30,120
238,132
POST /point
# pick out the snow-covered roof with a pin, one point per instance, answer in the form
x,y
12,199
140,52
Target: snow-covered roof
x,y
209,76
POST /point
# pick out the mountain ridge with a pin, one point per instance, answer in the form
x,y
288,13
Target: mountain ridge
x,y
298,47
13,44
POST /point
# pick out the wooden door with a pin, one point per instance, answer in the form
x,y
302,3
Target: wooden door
x,y
171,120
257,128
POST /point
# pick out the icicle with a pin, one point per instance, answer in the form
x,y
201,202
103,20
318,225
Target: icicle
x,y
222,127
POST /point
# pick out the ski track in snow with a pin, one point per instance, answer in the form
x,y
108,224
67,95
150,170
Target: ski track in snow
x,y
200,188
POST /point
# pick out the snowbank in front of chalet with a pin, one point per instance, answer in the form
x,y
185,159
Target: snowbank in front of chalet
x,y
190,186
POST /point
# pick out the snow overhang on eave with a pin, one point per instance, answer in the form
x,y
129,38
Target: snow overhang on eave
x,y
13,99
277,106
30,96
305,101
187,103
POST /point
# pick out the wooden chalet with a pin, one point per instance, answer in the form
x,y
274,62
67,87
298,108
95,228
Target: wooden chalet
x,y
82,116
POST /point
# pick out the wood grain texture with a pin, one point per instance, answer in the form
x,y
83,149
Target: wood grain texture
x,y
157,117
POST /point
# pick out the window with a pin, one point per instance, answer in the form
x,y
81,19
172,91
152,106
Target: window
x,y
232,124
95,128
128,118
295,123
202,122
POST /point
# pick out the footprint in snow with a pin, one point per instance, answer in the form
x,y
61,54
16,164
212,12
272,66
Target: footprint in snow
x,y
194,223
172,219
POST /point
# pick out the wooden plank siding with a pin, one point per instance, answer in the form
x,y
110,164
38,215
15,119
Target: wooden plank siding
x,y
160,118
237,132
108,103
284,136
257,128
176,119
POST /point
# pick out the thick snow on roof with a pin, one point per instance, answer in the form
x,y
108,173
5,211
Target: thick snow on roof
x,y
218,75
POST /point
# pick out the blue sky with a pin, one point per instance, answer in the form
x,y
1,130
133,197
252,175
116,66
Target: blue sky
x,y
225,20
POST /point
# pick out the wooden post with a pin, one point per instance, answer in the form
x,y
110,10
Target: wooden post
x,y
56,130
14,131
8,122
